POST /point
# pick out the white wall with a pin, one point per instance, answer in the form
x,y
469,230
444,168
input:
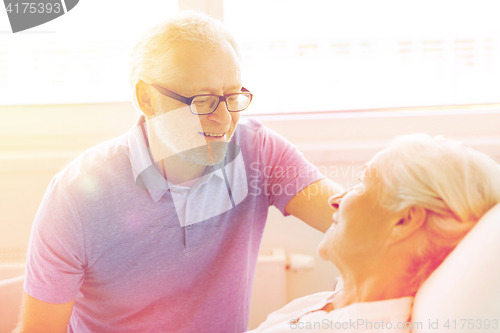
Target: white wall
x,y
38,141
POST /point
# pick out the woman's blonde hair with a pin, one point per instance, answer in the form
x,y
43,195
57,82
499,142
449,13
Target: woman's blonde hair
x,y
456,184
151,56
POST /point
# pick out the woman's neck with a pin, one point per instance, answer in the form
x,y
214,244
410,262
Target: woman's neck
x,y
385,282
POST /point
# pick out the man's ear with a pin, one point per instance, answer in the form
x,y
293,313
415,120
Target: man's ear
x,y
144,97
411,220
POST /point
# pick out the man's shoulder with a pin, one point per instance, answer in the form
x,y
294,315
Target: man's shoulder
x,y
100,160
249,126
249,136
252,134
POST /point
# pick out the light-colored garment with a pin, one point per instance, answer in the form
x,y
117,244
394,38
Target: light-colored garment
x,y
142,255
380,316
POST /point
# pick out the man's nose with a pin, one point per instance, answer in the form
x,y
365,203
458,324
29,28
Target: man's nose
x,y
221,114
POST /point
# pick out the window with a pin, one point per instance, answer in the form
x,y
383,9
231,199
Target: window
x,y
299,55
86,61
324,55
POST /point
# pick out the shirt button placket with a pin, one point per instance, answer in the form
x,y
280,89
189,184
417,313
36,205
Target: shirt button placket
x,y
189,225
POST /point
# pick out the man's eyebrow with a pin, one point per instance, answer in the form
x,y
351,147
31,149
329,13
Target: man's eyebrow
x,y
233,87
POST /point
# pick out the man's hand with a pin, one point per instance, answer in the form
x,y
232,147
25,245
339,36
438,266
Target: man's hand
x,y
311,204
38,316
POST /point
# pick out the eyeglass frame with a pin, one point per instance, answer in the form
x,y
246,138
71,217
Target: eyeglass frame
x,y
189,100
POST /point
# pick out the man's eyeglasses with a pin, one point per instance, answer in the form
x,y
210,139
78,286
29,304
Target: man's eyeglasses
x,y
207,103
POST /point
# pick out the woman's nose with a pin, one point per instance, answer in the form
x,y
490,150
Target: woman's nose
x,y
334,201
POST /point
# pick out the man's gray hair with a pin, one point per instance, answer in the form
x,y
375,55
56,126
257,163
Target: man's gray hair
x,y
151,56
456,184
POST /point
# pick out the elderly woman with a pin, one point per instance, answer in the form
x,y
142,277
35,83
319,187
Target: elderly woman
x,y
415,201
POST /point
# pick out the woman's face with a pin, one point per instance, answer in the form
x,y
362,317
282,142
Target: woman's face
x,y
361,226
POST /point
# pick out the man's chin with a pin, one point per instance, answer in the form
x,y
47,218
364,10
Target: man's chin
x,y
205,156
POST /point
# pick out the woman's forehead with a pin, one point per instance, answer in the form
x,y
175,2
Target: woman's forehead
x,y
370,170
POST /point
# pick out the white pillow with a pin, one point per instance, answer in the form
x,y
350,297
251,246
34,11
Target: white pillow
x,y
463,294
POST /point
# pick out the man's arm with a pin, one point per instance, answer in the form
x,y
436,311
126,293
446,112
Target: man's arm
x,y
311,204
42,317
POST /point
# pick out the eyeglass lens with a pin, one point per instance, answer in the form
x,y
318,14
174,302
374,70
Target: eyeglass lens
x,y
207,104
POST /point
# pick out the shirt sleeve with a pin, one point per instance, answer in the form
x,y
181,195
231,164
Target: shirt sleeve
x,y
56,256
284,169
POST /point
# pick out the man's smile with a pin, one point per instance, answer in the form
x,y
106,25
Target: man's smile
x,y
214,137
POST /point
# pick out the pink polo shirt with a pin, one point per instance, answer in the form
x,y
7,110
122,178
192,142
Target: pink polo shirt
x,y
139,254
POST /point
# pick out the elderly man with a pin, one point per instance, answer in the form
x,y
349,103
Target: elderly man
x,y
159,229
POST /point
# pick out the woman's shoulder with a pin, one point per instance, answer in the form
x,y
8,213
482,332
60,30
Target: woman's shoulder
x,y
310,299
389,314
280,320
302,305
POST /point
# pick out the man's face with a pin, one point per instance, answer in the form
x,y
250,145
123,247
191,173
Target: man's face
x,y
196,70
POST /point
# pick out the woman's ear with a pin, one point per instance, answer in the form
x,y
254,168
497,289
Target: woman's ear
x,y
143,94
410,220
